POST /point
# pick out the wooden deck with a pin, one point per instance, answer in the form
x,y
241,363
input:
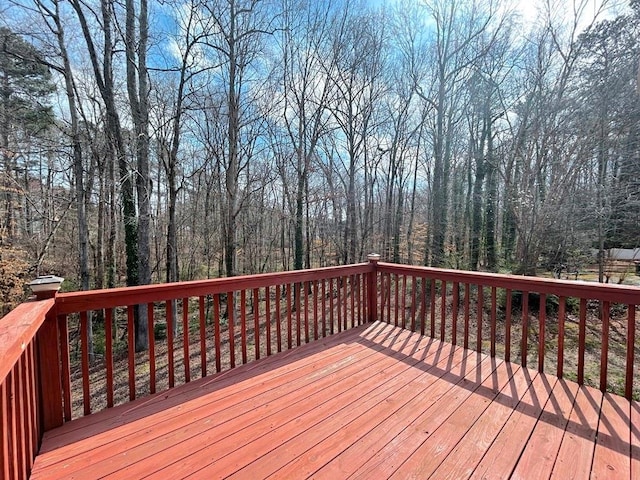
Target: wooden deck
x,y
373,402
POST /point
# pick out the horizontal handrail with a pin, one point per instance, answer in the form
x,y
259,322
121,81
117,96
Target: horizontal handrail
x,y
569,288
74,302
17,329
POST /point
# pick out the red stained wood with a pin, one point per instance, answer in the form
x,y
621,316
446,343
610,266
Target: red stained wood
x,y
315,310
635,440
494,307
403,319
305,291
288,292
539,457
66,374
202,323
480,314
467,314
243,325
525,328
84,354
170,359
443,310
108,334
507,326
454,313
216,330
575,455
231,324
185,339
631,335
503,454
460,463
433,307
267,319
294,413
413,303
278,317
604,346
542,320
562,315
6,462
256,323
612,456
582,326
131,348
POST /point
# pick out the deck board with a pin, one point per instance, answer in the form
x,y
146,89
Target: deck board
x,y
373,402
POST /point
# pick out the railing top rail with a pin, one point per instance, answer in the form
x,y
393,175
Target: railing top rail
x,y
73,302
626,294
17,329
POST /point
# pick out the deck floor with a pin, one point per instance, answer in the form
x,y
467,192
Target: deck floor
x,y
373,402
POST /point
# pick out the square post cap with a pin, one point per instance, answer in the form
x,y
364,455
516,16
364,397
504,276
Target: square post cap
x,y
373,257
46,286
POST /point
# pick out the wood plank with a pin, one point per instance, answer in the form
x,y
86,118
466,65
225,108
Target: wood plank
x,y
236,399
461,462
286,362
465,379
635,440
539,457
500,460
575,455
434,450
301,455
201,444
611,459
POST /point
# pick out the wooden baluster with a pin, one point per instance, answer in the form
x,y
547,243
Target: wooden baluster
x,y
289,292
256,322
231,321
324,308
305,289
6,438
108,333
353,294
243,324
507,333
604,352
84,356
542,320
216,331
454,313
562,308
467,314
152,347
404,302
278,319
631,335
315,309
132,352
170,359
525,327
202,323
494,308
267,309
297,292
479,314
185,340
413,303
582,326
423,319
432,299
63,329
331,329
339,303
21,425
396,303
443,309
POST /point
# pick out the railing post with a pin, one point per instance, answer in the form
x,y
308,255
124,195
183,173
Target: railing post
x,y
372,286
49,368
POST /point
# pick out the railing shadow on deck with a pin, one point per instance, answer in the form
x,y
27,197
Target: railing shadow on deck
x,y
533,409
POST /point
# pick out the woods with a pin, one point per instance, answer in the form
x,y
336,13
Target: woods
x,y
144,142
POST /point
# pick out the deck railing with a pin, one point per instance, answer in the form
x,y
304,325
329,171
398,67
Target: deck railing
x,y
49,373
